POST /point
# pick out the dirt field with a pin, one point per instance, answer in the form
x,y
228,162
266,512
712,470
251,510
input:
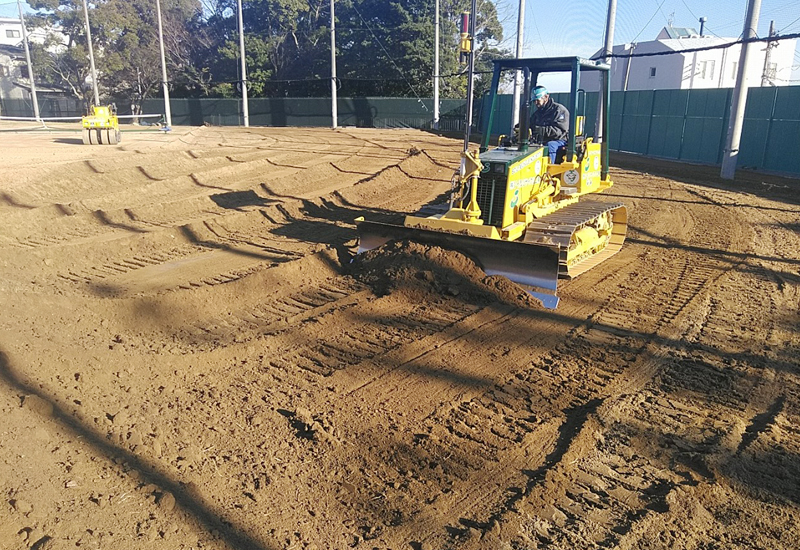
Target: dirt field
x,y
189,360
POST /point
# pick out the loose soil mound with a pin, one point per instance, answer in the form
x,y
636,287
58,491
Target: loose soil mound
x,y
404,266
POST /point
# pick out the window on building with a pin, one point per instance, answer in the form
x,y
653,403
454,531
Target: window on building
x,y
710,69
10,33
23,70
652,72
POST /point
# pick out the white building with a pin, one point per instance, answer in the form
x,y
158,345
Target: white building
x,y
11,35
715,68
10,32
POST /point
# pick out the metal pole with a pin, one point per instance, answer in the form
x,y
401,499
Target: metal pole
x,y
608,49
244,67
628,68
91,52
436,68
167,111
334,112
766,76
518,74
739,99
30,67
471,75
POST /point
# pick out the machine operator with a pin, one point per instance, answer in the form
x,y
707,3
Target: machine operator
x,y
550,121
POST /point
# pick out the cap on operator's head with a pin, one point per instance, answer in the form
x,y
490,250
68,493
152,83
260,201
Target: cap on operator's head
x,y
539,92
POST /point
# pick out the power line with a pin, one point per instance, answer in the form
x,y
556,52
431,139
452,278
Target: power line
x,y
775,38
389,55
792,23
667,19
698,19
648,22
528,8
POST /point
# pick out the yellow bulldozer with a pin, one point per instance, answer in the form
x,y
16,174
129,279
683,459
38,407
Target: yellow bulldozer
x,y
513,210
101,126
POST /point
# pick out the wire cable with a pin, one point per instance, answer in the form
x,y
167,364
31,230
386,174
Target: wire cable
x,y
648,22
536,26
391,59
698,19
792,23
775,38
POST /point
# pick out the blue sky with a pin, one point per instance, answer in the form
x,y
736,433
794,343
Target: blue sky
x,y
551,29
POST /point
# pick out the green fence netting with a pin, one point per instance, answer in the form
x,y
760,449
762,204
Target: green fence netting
x,y
365,112
686,125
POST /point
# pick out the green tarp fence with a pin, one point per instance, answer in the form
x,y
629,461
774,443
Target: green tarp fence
x,y
686,125
49,107
692,125
366,112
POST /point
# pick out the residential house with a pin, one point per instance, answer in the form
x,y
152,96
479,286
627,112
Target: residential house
x,y
10,32
710,68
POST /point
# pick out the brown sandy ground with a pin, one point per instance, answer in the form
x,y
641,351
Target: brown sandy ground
x,y
189,360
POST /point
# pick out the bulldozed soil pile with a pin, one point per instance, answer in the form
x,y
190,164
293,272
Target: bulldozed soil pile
x,y
188,359
424,269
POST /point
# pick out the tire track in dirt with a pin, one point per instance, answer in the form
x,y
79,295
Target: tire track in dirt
x,y
599,377
697,437
278,314
595,377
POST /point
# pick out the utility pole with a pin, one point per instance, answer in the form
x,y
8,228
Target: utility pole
x,y
608,50
30,67
91,52
768,75
245,107
334,112
518,74
167,111
739,99
436,67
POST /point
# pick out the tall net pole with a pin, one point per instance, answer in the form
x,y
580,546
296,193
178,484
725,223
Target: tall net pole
x,y
436,68
167,111
91,52
608,48
30,67
245,107
334,112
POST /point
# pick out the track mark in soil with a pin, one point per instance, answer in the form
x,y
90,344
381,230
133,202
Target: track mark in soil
x,y
280,313
614,356
363,340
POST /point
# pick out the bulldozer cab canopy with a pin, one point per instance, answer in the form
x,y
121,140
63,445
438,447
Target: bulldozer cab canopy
x,y
532,68
550,64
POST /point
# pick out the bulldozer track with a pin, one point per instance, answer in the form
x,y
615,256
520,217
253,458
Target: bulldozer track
x,y
558,228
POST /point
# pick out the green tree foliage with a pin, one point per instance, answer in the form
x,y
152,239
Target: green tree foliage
x,y
125,43
384,47
388,45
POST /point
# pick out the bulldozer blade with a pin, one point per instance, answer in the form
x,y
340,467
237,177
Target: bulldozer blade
x,y
535,267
